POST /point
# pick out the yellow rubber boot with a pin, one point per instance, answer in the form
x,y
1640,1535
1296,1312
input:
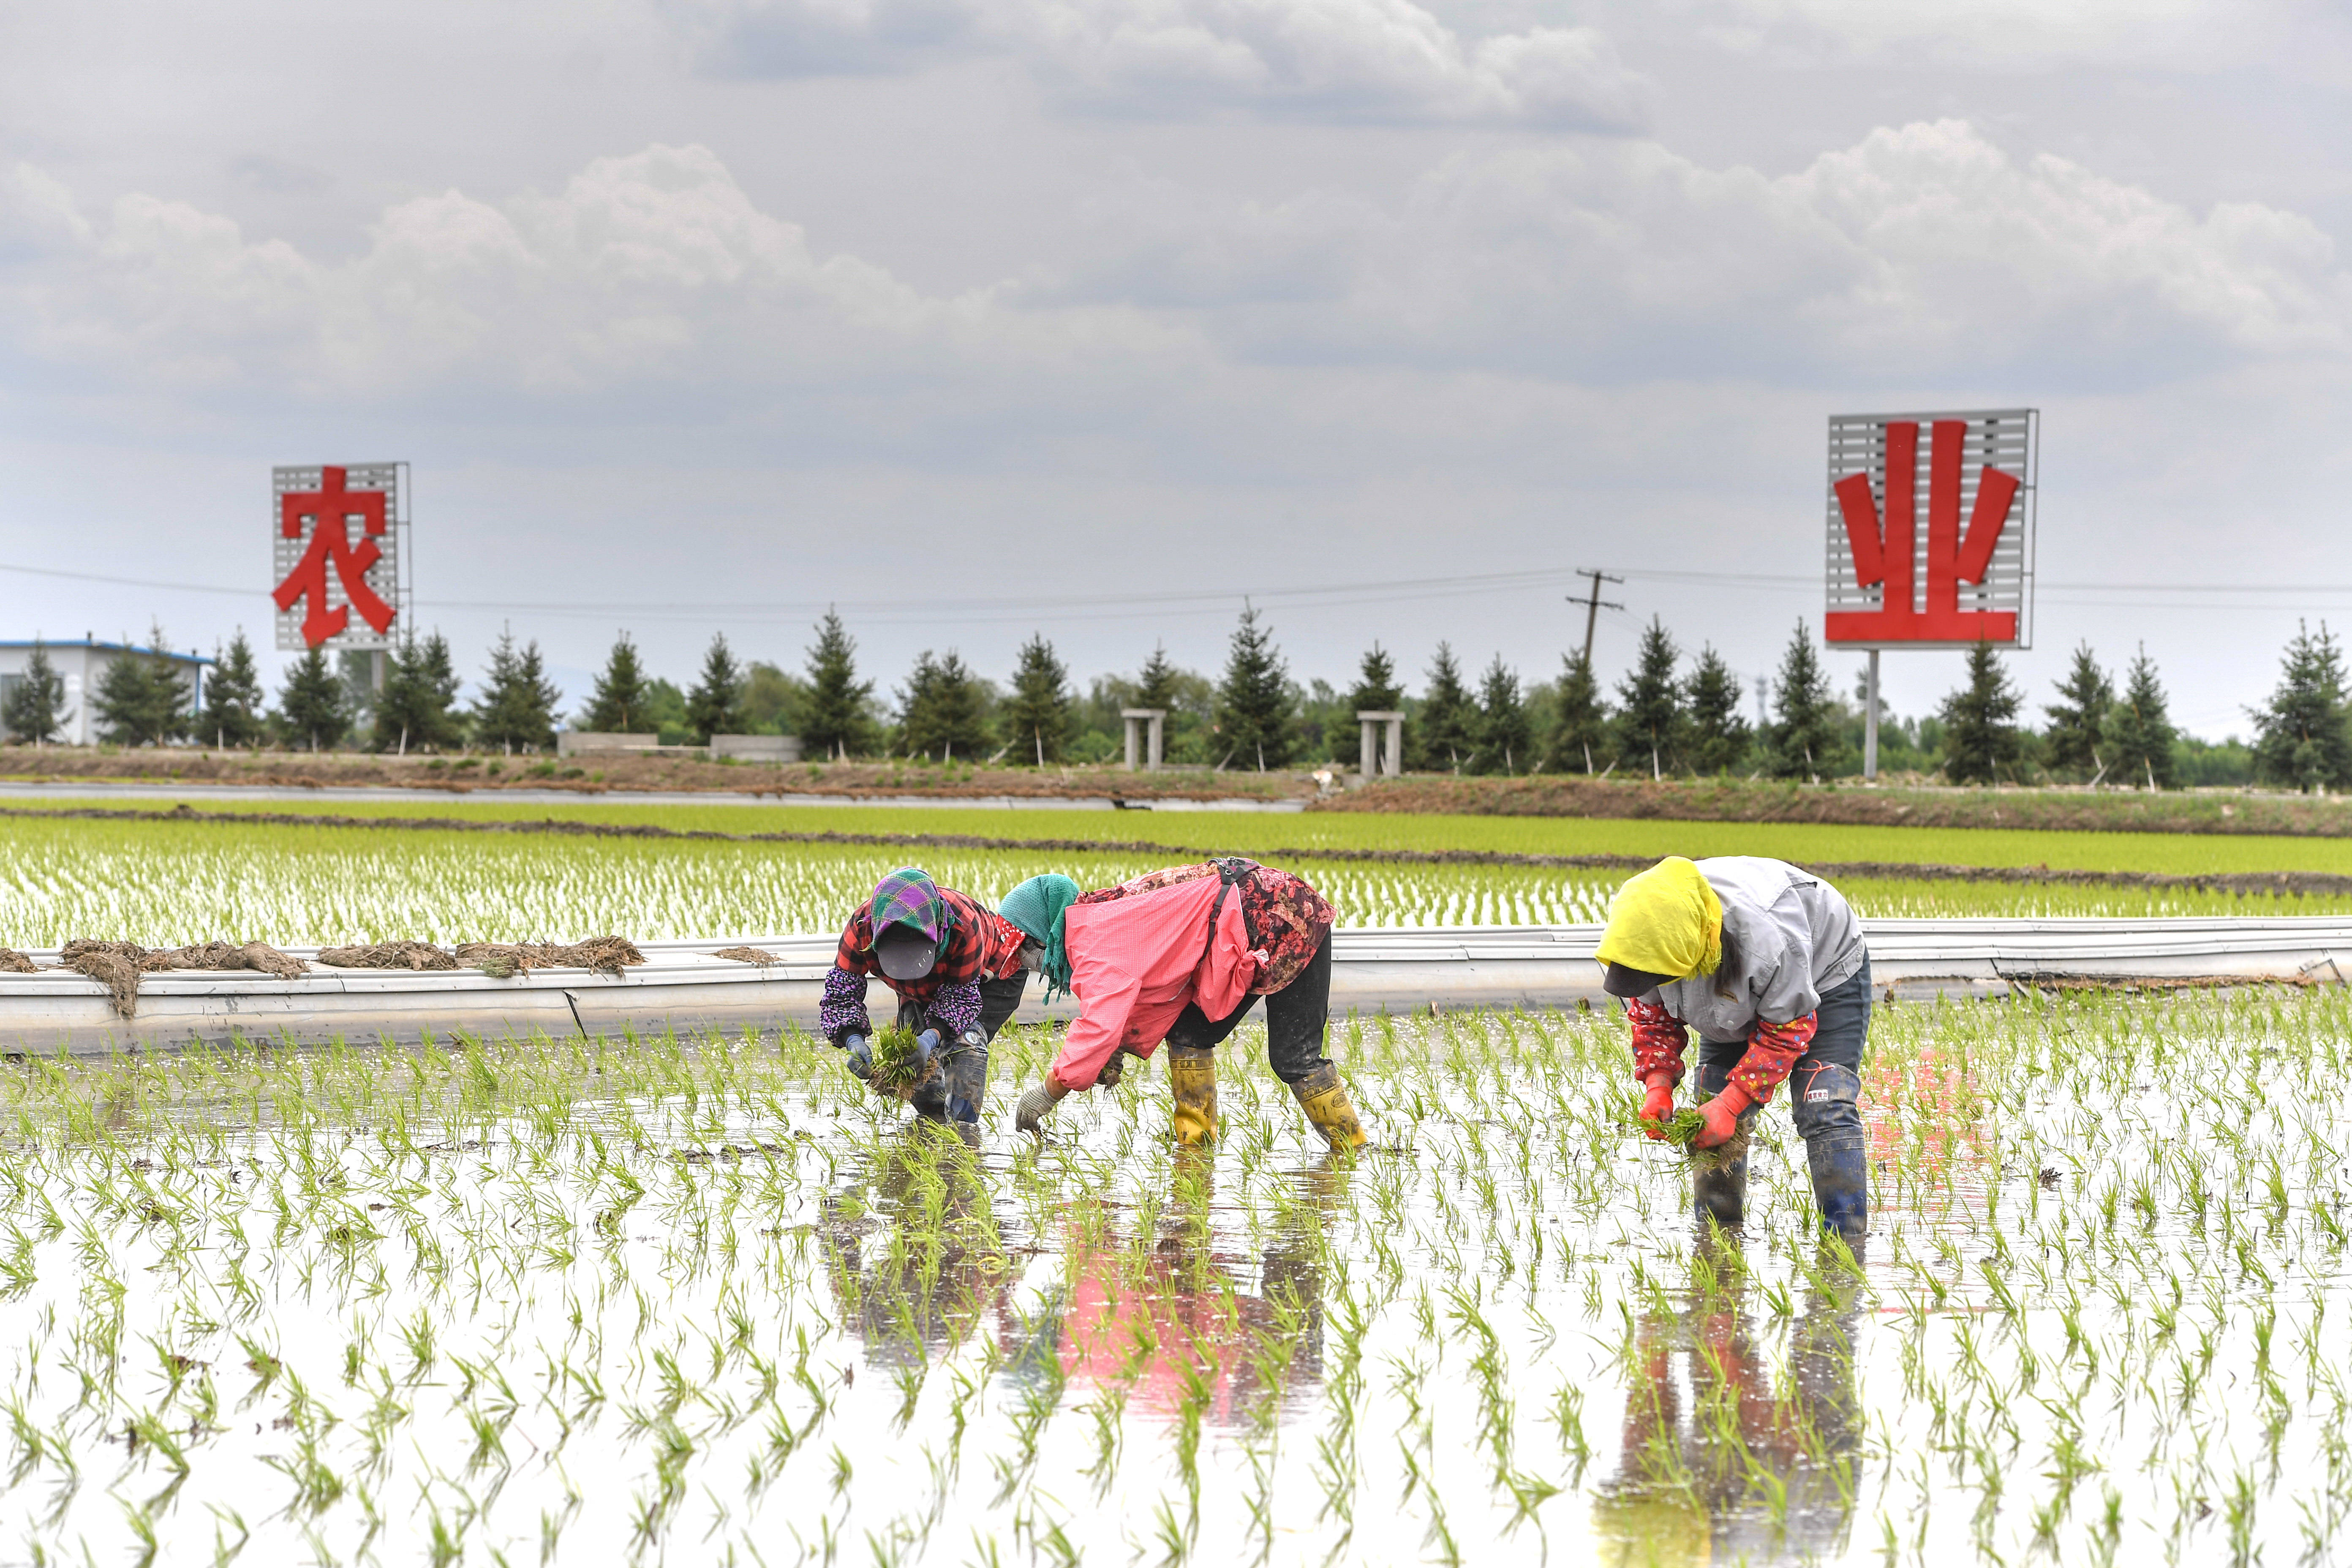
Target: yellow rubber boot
x,y
1325,1100
1193,1079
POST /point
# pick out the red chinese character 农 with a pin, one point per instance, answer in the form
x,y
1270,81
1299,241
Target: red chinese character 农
x,y
331,508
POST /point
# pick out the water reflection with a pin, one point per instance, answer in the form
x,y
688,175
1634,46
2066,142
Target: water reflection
x,y
1155,1299
919,1264
1189,1323
1725,1457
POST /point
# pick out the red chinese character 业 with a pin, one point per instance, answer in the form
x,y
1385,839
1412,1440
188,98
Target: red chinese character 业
x,y
331,508
1886,555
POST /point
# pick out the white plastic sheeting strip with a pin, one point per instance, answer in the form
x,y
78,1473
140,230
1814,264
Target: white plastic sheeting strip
x,y
684,984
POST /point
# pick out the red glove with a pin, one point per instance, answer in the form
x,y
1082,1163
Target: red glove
x,y
1722,1115
1658,1105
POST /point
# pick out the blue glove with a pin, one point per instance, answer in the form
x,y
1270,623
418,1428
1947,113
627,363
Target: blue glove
x,y
927,1046
861,1055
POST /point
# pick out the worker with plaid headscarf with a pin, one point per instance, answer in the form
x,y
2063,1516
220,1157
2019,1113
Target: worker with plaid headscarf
x,y
956,967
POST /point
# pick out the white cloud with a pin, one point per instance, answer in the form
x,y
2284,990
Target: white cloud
x,y
2197,35
1341,59
648,270
1922,253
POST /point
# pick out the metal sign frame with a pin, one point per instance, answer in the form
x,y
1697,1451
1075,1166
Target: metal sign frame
x,y
310,587
1970,570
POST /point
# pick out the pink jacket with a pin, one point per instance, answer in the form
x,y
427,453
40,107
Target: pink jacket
x,y
1135,961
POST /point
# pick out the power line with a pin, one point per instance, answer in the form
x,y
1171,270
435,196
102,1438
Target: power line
x,y
1339,595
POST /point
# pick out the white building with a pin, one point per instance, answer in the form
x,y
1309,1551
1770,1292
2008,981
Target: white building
x,y
82,665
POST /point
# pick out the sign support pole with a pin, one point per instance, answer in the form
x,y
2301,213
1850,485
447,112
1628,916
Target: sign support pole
x,y
1869,721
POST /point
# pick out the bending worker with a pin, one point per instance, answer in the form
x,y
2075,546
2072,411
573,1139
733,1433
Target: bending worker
x,y
1767,964
957,970
1181,956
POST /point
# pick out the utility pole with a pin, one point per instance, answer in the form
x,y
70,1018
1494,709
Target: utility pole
x,y
1594,605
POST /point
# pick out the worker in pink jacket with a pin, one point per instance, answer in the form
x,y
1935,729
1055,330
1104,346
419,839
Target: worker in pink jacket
x,y
1181,955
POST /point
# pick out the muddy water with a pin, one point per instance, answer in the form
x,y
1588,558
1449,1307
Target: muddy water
x,y
699,1303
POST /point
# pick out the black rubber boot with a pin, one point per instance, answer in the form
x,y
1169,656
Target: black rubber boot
x,y
1840,1167
966,1075
1719,1192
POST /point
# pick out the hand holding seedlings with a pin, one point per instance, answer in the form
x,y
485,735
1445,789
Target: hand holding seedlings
x,y
860,1050
1658,1106
901,1059
1719,1117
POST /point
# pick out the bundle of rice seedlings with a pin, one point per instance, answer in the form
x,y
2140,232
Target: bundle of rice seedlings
x,y
413,955
899,1066
1682,1129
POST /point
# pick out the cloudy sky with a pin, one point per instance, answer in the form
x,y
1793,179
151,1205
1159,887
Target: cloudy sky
x,y
982,317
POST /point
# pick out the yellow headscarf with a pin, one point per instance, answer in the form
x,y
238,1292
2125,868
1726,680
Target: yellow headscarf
x,y
1665,921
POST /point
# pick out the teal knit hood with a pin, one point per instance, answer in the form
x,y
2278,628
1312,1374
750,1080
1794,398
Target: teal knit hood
x,y
1037,906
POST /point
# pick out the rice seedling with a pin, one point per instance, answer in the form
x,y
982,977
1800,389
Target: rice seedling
x,y
163,883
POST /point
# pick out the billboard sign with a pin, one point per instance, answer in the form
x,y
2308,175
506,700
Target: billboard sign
x,y
336,536
1968,577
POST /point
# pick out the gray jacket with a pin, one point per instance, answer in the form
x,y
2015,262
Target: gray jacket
x,y
1787,938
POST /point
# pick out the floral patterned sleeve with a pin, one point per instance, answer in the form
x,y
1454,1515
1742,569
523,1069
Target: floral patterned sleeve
x,y
1772,1051
842,1009
1659,1041
955,1008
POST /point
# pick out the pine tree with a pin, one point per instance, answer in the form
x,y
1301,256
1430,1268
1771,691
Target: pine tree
x,y
1981,741
517,706
1580,735
232,700
312,710
417,709
714,706
31,710
142,698
1650,718
1254,715
2078,719
1155,683
1503,725
1719,734
2139,732
1804,741
834,721
1376,689
618,705
1442,735
1037,718
943,711
2301,735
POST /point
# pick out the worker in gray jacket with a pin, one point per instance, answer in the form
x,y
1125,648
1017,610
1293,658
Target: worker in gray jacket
x,y
1767,963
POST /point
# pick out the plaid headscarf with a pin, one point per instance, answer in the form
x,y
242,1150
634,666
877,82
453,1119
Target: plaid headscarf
x,y
909,897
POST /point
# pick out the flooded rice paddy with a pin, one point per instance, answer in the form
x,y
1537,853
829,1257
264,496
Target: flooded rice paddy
x,y
702,1301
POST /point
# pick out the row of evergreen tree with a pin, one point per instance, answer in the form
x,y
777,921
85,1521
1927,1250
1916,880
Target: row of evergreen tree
x,y
143,699
1664,719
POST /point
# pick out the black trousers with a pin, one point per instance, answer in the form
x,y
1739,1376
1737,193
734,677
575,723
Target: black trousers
x,y
1295,1017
